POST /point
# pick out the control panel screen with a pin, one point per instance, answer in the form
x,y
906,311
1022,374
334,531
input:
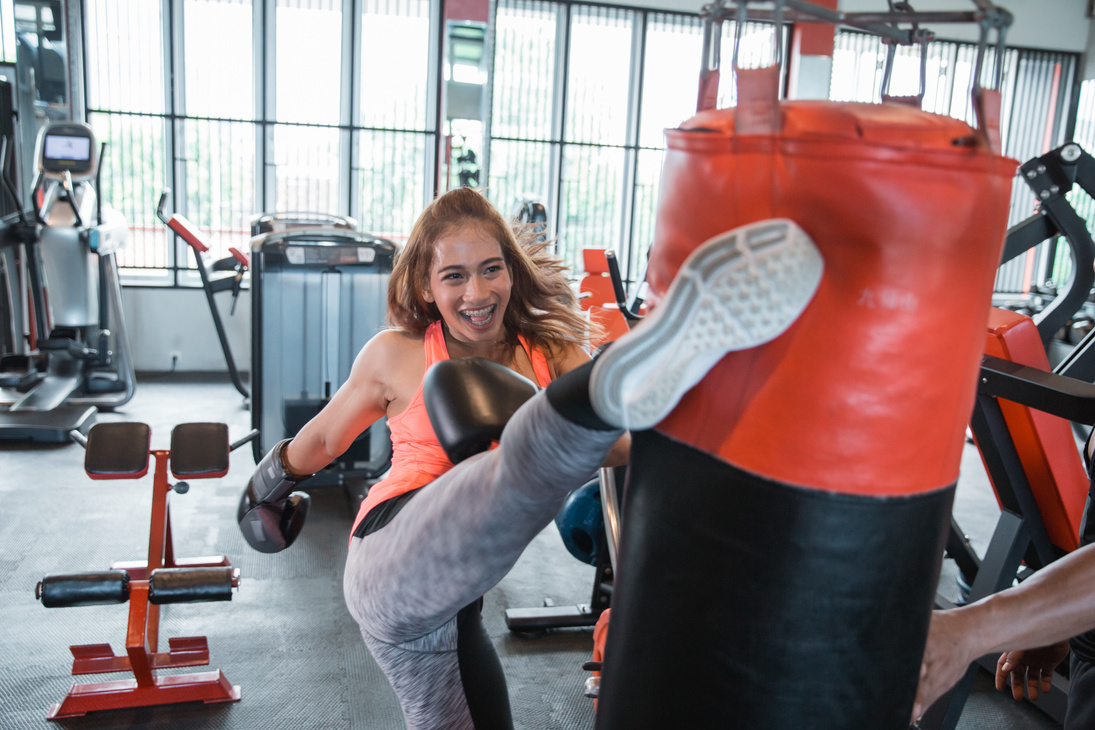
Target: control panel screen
x,y
63,147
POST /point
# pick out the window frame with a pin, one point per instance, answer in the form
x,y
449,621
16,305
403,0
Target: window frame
x,y
637,193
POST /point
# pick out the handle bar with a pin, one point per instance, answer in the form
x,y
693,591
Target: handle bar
x,y
618,288
162,204
254,434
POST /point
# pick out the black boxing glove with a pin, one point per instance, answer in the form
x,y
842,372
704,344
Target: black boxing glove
x,y
469,401
270,513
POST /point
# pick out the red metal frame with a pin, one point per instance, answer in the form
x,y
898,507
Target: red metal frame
x,y
142,656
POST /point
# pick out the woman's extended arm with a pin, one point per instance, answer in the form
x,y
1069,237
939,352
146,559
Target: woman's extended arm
x,y
361,400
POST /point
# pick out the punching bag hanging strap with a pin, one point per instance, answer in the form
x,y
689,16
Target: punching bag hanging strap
x,y
986,109
709,69
987,102
757,110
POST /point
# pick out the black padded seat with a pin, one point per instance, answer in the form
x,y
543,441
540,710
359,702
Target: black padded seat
x,y
199,450
117,450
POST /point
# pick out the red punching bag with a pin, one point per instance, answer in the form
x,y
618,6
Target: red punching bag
x,y
875,382
784,525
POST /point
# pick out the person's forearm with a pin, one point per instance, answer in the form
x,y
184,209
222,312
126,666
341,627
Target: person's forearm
x,y
1056,603
307,453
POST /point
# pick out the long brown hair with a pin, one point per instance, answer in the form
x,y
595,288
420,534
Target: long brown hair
x,y
542,305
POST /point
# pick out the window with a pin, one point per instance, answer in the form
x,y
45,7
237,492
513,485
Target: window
x,y
127,104
330,112
597,129
214,141
1033,116
246,106
525,125
582,95
1084,135
7,33
395,135
305,142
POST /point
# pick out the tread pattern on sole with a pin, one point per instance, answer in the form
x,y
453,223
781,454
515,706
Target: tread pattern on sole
x,y
738,290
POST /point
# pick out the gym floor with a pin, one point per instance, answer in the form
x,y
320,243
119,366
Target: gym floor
x,y
286,638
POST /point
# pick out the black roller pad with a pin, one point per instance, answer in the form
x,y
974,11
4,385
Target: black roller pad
x,y
190,585
117,450
65,590
199,450
743,602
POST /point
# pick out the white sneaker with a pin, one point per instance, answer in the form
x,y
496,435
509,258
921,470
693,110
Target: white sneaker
x,y
738,290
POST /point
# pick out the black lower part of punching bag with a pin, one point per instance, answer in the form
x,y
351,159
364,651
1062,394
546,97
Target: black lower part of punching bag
x,y
741,602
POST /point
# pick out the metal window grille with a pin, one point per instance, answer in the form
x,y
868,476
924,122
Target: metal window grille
x,y
1036,124
395,135
242,106
214,131
7,33
525,121
1084,135
1034,92
674,46
580,96
126,97
598,122
133,171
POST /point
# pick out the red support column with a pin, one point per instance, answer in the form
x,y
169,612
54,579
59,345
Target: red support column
x,y
811,58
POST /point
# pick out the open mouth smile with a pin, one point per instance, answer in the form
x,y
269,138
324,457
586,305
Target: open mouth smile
x,y
482,317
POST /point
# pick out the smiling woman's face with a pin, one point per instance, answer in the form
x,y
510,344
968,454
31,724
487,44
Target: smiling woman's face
x,y
470,285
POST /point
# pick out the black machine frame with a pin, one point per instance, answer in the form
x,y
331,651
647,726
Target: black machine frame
x,y
1020,543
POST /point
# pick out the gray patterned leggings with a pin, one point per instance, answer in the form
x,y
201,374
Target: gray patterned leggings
x,y
406,583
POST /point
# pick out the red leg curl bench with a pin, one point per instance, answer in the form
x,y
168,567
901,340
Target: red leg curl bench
x,y
121,451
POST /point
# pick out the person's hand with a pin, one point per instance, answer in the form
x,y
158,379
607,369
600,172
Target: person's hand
x,y
1029,671
946,657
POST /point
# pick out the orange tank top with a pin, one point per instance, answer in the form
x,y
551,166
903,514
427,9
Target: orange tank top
x,y
417,457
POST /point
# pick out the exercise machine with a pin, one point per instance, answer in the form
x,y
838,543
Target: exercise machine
x,y
530,211
10,251
76,356
264,223
237,263
318,293
597,295
1021,419
122,451
588,525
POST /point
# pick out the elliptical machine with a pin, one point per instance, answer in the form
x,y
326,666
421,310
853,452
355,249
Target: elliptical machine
x,y
76,356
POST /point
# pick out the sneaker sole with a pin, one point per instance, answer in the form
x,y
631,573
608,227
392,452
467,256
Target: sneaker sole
x,y
738,290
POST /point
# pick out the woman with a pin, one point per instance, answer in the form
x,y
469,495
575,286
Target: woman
x,y
462,287
431,539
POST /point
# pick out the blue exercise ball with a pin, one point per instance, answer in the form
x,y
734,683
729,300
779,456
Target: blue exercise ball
x,y
581,522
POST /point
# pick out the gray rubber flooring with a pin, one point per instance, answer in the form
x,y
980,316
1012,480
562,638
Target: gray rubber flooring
x,y
285,638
